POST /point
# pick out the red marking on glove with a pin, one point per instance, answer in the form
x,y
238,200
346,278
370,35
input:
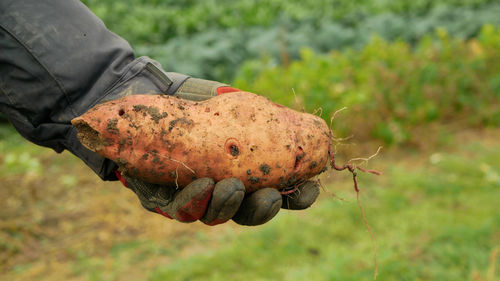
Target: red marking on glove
x,y
121,178
196,208
226,89
157,209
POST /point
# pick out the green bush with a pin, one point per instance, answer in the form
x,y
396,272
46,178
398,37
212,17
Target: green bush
x,y
211,39
155,21
391,88
218,53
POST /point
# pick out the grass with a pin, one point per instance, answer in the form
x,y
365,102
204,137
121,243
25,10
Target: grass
x,y
435,216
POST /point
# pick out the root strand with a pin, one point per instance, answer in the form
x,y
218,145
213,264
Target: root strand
x,y
352,168
374,241
176,161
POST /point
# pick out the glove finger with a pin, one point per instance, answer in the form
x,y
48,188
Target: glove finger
x,y
146,192
259,207
226,199
200,89
190,203
302,198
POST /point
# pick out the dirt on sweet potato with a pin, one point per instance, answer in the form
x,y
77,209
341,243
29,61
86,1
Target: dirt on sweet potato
x,y
165,140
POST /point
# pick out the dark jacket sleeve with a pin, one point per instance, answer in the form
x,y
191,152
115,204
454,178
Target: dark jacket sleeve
x,y
57,60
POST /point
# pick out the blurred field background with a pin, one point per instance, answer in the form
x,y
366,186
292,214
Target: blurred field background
x,y
421,78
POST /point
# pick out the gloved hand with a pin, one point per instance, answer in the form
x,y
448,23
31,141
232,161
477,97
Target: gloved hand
x,y
48,78
215,203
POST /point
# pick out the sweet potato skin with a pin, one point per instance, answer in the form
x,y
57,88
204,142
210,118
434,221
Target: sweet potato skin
x,y
165,140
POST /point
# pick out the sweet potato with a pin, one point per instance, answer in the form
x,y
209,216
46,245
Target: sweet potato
x,y
166,140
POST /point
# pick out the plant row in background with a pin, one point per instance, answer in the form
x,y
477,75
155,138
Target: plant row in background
x,y
157,21
218,53
211,39
391,88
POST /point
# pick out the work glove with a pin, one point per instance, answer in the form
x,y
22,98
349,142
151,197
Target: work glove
x,y
203,199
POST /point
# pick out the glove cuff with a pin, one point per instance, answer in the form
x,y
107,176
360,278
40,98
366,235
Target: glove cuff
x,y
145,76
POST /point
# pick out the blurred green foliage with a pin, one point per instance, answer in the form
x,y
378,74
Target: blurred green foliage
x,y
156,21
217,54
390,87
16,159
211,39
